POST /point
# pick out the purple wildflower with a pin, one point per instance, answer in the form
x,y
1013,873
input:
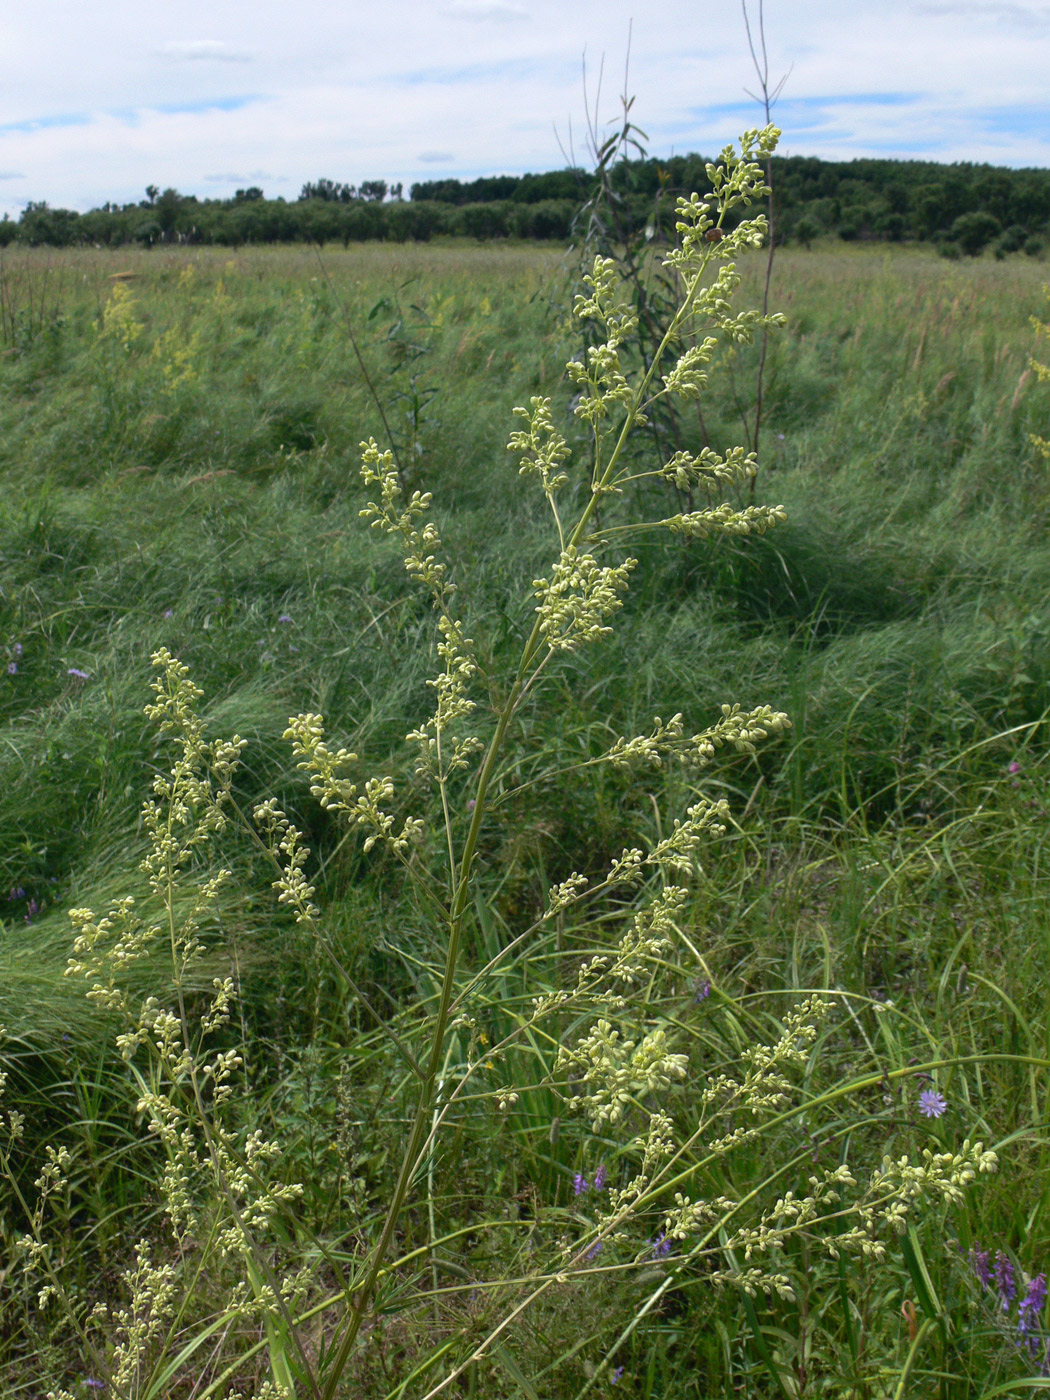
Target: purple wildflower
x,y
284,618
981,1260
17,648
95,1385
931,1103
579,1183
32,910
78,673
661,1246
1031,1308
616,1375
16,892
703,991
169,612
12,668
1014,767
1004,1279
595,1250
600,1178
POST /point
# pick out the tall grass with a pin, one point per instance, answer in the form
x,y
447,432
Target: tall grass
x,y
891,849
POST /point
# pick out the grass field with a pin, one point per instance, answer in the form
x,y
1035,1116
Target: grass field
x,y
178,443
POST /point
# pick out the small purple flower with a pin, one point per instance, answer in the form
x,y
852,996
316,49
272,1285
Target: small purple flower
x,y
78,673
284,618
1013,767
600,1178
1031,1308
16,892
981,1260
32,910
12,668
703,991
616,1375
95,1385
1004,1279
579,1183
169,612
17,648
931,1103
780,437
661,1246
595,1249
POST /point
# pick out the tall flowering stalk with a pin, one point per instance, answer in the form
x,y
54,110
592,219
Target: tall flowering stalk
x,y
622,1059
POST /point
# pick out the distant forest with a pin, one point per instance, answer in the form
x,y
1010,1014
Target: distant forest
x,y
962,208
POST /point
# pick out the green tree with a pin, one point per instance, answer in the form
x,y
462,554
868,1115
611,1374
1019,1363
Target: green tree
x,y
974,231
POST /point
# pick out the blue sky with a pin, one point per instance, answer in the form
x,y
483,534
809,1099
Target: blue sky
x,y
96,102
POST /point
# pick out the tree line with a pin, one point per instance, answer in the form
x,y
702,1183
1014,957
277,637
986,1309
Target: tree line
x,y
963,208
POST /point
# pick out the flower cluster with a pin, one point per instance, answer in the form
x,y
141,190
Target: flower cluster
x,y
997,1277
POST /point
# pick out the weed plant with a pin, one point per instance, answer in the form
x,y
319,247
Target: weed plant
x,y
454,1147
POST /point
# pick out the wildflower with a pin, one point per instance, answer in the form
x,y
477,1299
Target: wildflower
x,y
931,1103
1004,1279
169,612
1031,1308
661,1247
616,1375
78,673
703,991
981,1261
579,1184
284,618
595,1249
95,1385
16,892
32,910
12,668
600,1178
1013,767
17,648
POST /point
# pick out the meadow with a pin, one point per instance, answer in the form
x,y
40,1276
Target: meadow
x,y
179,433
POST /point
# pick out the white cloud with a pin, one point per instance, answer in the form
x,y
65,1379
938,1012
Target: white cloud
x,y
487,9
202,51
436,157
998,11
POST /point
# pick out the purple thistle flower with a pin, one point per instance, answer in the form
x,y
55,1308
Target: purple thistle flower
x,y
931,1103
600,1178
78,673
1004,1279
579,1183
981,1260
1031,1308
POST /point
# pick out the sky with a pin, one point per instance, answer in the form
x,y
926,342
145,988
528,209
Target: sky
x,y
208,96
